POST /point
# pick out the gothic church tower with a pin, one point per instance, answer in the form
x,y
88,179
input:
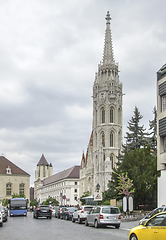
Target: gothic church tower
x,y
106,139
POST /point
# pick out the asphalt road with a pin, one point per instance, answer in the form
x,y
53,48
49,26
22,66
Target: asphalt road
x,y
28,228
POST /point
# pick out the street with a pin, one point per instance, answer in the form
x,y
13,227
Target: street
x,y
18,228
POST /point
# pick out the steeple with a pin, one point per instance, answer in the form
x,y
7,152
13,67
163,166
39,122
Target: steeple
x,y
108,50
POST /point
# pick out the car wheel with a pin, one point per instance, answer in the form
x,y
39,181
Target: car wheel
x,y
96,224
1,224
73,220
133,237
79,220
86,222
117,226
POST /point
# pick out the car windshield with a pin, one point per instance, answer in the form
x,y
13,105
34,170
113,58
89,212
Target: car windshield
x,y
44,207
88,208
110,210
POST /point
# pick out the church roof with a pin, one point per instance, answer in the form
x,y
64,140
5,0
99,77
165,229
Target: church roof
x,y
73,172
42,161
5,163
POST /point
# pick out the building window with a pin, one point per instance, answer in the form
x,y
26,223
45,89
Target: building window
x,y
112,161
111,139
102,115
21,188
75,190
8,189
75,183
75,198
103,139
111,115
163,103
44,171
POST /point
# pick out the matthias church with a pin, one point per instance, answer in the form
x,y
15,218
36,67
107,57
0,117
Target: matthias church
x,y
106,138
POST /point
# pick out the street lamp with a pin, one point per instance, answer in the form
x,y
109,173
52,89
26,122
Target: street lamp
x,y
98,187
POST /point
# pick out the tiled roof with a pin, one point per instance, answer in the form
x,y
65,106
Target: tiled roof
x,y
5,163
42,161
73,172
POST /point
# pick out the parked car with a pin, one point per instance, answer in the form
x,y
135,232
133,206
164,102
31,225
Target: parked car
x,y
58,213
67,213
154,212
43,211
81,214
104,215
54,209
4,213
154,228
1,220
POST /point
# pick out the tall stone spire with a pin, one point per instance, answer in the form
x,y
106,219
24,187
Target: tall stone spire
x,y
108,50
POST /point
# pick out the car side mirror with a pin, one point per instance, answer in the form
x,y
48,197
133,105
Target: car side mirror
x,y
143,223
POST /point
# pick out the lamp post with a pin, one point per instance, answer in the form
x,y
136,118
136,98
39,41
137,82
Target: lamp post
x,y
97,187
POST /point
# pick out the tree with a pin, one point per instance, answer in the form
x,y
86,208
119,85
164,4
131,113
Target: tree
x,y
16,195
153,133
136,137
5,202
86,194
51,201
33,202
141,166
125,185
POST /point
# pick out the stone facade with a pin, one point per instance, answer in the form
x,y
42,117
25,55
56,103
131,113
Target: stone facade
x,y
13,180
161,133
106,138
63,186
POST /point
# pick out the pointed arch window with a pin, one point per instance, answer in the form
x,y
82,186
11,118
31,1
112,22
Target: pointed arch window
x,y
111,115
21,188
8,189
112,161
102,115
103,139
111,139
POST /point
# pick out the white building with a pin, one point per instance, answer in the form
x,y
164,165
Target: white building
x,y
63,186
161,133
106,138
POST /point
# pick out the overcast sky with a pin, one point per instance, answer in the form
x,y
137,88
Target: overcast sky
x,y
49,54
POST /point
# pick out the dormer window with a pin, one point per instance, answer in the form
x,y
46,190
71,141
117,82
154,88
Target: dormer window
x,y
8,170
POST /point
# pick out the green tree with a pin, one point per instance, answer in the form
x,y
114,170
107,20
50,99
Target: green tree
x,y
33,202
51,201
141,166
136,137
86,194
16,195
5,202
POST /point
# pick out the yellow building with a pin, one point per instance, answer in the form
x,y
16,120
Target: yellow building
x,y
12,180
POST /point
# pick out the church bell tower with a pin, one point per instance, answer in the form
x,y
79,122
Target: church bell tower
x,y
107,114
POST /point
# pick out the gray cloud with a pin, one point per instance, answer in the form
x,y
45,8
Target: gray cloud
x,y
49,53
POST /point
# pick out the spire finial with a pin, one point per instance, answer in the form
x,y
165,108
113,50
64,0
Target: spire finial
x,y
108,18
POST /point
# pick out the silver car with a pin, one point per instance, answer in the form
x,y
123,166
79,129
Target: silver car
x,y
1,220
104,215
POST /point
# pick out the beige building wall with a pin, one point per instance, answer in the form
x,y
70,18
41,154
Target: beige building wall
x,y
15,181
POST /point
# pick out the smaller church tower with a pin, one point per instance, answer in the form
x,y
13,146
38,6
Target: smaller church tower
x,y
44,169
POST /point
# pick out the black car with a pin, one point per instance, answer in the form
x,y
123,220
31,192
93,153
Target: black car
x,y
43,211
67,213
